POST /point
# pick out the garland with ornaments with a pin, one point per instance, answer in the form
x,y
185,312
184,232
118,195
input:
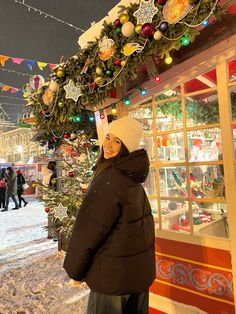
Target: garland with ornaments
x,y
141,31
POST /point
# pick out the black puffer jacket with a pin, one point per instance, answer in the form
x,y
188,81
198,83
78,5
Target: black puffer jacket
x,y
112,244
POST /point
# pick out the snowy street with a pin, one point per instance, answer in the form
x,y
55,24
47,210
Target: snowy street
x,y
32,277
23,236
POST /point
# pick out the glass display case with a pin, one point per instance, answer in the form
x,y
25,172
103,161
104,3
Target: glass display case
x,y
182,136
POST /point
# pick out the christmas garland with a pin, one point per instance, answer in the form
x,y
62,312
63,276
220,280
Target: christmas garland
x,y
87,78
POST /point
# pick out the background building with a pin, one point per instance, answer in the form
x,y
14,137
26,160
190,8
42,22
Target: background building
x,y
16,146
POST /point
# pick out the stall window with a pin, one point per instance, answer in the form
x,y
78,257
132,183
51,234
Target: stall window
x,y
186,182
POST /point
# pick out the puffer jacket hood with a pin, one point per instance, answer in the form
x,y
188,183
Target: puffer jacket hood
x,y
135,165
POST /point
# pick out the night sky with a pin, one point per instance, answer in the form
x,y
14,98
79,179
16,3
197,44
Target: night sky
x,y
28,35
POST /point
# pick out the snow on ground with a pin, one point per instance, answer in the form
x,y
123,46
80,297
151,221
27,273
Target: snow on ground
x,y
32,279
23,235
41,288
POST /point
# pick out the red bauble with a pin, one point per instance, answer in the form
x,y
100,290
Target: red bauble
x,y
86,145
47,209
148,30
93,85
161,2
117,23
117,62
71,174
74,153
66,135
55,139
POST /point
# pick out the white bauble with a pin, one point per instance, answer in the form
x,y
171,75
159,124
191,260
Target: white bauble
x,y
127,29
82,157
157,35
54,86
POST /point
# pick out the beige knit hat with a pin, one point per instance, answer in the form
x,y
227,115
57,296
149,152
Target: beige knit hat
x,y
128,130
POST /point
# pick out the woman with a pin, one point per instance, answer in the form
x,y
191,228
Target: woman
x,y
20,183
112,243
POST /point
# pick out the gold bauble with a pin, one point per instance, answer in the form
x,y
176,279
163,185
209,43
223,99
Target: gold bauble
x,y
138,28
78,204
34,185
124,18
60,73
84,137
98,71
98,80
60,104
123,63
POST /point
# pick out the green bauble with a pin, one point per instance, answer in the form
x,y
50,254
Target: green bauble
x,y
109,73
118,30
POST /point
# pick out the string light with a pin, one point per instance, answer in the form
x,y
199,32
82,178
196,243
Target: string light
x,y
185,40
11,97
9,104
91,118
113,109
102,115
126,100
168,59
12,71
205,23
143,91
76,118
157,78
49,15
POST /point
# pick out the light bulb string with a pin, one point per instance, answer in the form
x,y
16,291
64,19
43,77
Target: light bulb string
x,y
49,15
12,97
9,104
206,18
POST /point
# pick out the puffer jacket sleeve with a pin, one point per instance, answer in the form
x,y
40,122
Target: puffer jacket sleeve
x,y
99,212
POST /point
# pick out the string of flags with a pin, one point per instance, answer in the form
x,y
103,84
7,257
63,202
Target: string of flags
x,y
30,63
12,89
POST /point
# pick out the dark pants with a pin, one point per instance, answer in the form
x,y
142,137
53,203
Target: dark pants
x,y
13,198
125,304
2,202
20,198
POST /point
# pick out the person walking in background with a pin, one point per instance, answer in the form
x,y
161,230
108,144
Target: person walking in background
x,y
3,187
20,189
112,243
11,188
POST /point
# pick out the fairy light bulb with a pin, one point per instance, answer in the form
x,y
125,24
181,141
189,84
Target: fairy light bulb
x,y
185,41
102,115
168,60
113,110
205,23
91,118
157,78
126,101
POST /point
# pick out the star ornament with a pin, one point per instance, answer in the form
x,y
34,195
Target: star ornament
x,y
60,212
72,91
145,12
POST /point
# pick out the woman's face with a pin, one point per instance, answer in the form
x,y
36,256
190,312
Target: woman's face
x,y
111,146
